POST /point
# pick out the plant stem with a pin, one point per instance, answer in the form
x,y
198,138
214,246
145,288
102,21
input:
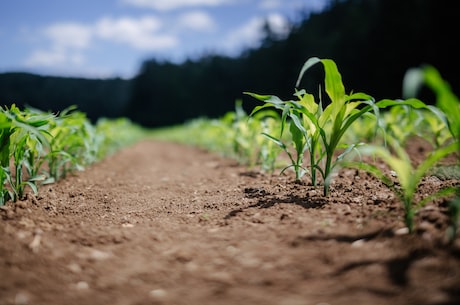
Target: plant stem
x,y
409,214
327,172
313,168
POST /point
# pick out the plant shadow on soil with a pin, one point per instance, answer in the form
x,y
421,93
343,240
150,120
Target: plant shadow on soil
x,y
267,200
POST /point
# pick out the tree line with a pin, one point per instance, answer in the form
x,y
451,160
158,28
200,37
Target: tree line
x,y
373,42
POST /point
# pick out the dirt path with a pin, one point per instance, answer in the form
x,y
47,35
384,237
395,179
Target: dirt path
x,y
161,223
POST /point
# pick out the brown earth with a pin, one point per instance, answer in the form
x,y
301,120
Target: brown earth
x,y
163,223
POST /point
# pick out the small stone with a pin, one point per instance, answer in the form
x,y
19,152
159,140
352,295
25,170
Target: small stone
x,y
82,285
402,231
35,243
74,267
358,243
21,298
94,255
158,293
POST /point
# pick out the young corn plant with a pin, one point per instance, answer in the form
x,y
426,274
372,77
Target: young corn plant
x,y
4,193
449,103
23,136
403,122
250,147
71,145
364,129
37,147
408,176
446,100
243,134
317,129
5,132
434,130
269,150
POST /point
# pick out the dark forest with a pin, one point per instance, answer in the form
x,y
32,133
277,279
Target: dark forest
x,y
373,42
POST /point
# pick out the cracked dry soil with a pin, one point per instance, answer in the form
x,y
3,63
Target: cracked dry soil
x,y
163,223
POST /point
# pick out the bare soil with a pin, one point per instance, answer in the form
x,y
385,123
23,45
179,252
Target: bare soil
x,y
163,223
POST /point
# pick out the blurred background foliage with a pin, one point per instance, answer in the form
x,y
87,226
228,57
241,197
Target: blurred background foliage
x,y
373,42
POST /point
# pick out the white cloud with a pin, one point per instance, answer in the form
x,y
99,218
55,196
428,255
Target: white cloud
x,y
164,5
247,34
278,24
69,35
197,20
295,5
250,34
139,33
57,56
68,41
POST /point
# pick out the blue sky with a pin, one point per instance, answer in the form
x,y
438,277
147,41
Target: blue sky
x,y
109,38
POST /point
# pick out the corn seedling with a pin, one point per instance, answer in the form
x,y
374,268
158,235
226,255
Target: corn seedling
x,y
23,138
243,135
70,144
316,129
402,122
4,194
446,100
408,176
5,133
39,147
364,129
249,146
449,104
269,150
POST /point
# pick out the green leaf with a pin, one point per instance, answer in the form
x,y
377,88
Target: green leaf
x,y
307,65
416,103
433,158
334,85
272,99
275,140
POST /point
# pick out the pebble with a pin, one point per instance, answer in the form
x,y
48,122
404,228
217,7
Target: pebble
x,y
82,285
21,298
158,293
95,255
358,243
99,255
402,231
74,267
